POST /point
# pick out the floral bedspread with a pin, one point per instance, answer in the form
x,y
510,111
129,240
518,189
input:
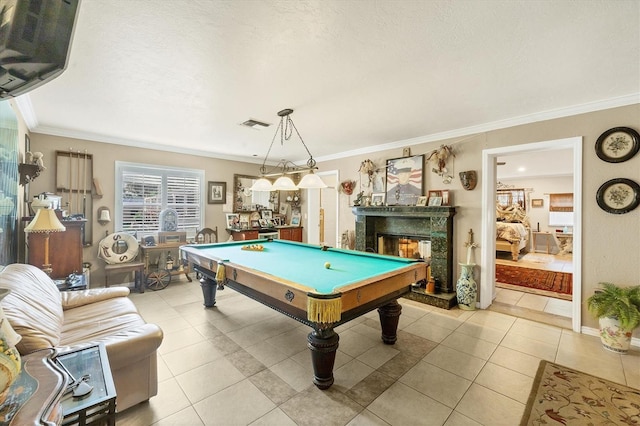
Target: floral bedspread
x,y
512,232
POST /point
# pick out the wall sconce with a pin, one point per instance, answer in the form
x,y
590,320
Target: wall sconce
x,y
104,215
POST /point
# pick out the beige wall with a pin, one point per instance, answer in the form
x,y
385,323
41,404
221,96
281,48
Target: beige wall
x,y
611,248
105,156
611,243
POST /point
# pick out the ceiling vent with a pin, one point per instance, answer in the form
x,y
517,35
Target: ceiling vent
x,y
255,124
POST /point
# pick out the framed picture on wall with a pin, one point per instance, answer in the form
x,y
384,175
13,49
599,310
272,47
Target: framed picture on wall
x,y
217,192
404,180
537,202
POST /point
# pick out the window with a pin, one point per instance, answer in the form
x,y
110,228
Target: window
x,y
508,197
143,191
561,209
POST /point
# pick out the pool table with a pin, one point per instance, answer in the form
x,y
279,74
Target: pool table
x,y
318,286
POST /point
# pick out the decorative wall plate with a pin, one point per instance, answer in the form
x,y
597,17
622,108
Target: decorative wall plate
x,y
618,144
618,196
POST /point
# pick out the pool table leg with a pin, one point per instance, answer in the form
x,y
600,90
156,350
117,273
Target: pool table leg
x,y
209,288
323,344
389,317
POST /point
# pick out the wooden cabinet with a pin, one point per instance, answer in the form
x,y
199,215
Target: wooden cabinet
x,y
65,249
291,234
239,235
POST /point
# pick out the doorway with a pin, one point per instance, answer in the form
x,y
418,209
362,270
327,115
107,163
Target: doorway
x,y
322,211
488,249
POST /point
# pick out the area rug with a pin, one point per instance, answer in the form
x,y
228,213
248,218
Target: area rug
x,y
540,279
562,396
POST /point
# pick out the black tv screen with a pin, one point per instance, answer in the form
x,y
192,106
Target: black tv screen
x,y
35,40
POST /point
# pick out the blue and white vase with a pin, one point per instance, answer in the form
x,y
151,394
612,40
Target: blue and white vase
x,y
466,288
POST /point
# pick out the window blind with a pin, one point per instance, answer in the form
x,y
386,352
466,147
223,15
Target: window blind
x,y
145,191
561,209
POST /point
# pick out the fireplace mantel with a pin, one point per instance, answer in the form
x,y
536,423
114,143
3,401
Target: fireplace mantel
x,y
432,223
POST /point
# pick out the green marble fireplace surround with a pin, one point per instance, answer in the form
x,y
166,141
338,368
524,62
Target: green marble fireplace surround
x,y
421,223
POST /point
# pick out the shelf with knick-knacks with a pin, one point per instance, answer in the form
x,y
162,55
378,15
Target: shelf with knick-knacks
x,y
29,172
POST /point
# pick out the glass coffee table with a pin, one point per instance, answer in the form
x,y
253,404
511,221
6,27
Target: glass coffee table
x,y
95,403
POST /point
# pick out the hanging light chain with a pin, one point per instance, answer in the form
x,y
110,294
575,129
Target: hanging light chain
x,y
285,128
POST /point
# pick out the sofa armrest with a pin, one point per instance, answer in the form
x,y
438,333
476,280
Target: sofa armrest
x,y
126,346
73,299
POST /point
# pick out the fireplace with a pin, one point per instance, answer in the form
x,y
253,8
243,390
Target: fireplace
x,y
409,246
406,231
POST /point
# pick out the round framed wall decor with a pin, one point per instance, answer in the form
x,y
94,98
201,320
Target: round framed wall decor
x,y
618,196
618,144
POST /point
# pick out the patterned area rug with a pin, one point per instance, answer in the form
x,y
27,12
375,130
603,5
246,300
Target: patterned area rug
x,y
562,396
558,282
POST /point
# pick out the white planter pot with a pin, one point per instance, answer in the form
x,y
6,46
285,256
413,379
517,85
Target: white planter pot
x,y
613,337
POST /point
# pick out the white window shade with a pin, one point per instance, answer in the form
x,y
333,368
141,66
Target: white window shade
x,y
561,209
144,191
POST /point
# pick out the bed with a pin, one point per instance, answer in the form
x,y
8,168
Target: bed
x,y
512,230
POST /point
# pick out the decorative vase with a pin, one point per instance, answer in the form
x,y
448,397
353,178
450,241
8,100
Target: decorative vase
x,y
466,288
614,338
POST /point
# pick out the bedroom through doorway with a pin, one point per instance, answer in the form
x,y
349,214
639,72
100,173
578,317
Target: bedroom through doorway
x,y
533,264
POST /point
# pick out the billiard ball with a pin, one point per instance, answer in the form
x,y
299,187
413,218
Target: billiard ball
x,y
327,265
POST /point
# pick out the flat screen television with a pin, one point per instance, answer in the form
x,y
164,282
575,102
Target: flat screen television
x,y
35,40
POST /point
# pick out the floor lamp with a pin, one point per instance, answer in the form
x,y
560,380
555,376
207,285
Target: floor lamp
x,y
45,222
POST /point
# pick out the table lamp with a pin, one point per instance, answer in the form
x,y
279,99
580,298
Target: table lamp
x,y
45,222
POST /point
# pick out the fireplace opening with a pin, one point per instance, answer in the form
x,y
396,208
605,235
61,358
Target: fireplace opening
x,y
408,246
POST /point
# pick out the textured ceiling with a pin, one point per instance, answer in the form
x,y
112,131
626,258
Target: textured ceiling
x,y
182,74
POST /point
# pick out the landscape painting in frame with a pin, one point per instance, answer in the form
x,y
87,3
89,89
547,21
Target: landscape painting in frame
x,y
404,180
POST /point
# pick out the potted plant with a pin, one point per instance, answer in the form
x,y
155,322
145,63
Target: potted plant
x,y
618,310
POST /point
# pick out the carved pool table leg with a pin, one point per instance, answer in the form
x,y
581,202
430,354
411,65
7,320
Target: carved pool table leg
x,y
323,345
389,317
209,288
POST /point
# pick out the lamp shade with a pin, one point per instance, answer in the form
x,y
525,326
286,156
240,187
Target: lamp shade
x,y
311,181
284,183
45,221
105,216
262,184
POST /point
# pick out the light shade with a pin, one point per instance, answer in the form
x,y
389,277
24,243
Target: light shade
x,y
311,181
262,184
284,183
45,221
104,215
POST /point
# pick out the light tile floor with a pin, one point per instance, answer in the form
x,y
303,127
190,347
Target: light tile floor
x,y
244,364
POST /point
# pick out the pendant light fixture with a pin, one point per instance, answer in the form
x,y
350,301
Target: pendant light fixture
x,y
284,182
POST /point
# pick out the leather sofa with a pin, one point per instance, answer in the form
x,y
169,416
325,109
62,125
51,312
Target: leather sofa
x,y
47,318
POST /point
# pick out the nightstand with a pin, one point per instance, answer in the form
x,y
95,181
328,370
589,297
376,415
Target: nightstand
x,y
536,235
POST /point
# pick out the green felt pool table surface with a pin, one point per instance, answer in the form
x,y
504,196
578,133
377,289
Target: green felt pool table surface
x,y
303,263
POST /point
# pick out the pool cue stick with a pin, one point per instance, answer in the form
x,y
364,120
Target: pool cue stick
x,y
70,200
321,221
78,184
84,186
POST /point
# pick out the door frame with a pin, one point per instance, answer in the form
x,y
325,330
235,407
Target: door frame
x,y
313,211
488,226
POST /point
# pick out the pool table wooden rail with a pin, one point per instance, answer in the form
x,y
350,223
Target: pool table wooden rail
x,y
292,297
